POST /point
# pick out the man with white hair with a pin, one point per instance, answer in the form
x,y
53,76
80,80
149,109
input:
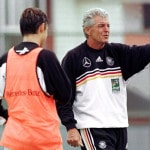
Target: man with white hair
x,y
98,71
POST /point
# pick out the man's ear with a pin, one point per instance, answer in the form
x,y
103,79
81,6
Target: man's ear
x,y
87,30
41,28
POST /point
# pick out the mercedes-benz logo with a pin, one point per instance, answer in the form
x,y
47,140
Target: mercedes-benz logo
x,y
86,62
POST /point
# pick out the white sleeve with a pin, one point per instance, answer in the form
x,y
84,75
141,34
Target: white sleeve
x,y
2,79
41,79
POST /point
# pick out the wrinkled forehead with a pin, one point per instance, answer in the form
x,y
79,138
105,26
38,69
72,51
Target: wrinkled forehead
x,y
100,19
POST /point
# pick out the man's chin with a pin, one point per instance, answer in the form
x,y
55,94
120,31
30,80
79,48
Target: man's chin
x,y
105,42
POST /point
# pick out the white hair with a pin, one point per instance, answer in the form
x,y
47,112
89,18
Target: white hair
x,y
90,14
88,18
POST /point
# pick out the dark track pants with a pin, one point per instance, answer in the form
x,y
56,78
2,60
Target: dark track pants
x,y
104,138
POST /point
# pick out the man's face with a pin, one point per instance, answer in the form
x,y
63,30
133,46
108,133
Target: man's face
x,y
99,32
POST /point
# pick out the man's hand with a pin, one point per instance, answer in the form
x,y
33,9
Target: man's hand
x,y
74,138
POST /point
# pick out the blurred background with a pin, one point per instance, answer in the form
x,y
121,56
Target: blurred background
x,y
130,24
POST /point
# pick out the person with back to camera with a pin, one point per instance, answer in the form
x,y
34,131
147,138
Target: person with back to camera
x,y
32,82
98,71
